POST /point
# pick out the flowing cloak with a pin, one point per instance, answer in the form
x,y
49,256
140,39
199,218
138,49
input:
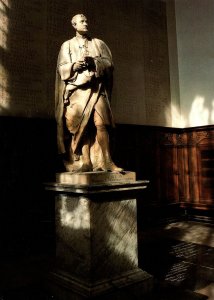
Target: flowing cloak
x,y
82,95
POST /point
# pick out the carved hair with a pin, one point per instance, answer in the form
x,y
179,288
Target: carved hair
x,y
73,20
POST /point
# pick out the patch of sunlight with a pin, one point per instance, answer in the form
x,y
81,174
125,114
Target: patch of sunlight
x,y
212,113
4,76
193,233
4,93
123,237
207,290
78,218
4,23
199,114
178,120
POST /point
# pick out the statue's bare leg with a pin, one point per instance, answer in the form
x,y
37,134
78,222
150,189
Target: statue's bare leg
x,y
86,160
87,165
103,140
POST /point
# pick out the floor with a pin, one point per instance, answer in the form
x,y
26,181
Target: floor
x,y
180,256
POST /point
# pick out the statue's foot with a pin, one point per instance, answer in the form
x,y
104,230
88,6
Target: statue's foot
x,y
84,168
69,167
110,166
98,169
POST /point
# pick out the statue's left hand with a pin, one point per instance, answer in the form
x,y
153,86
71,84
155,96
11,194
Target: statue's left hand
x,y
79,65
89,61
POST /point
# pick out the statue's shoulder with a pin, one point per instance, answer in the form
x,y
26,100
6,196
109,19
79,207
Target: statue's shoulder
x,y
98,41
67,43
100,44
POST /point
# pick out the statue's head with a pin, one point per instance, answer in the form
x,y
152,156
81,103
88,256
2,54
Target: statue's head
x,y
80,23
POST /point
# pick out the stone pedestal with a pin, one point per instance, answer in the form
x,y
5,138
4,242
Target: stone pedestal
x,y
96,236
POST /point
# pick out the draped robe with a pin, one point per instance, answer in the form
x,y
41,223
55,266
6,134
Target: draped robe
x,y
85,91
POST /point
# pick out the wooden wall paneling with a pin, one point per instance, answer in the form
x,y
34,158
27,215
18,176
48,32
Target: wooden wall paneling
x,y
183,168
193,169
27,159
205,157
158,172
179,163
168,168
175,172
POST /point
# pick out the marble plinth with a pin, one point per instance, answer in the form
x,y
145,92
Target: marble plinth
x,y
89,178
96,239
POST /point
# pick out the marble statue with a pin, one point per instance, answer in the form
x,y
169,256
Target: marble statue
x,y
83,91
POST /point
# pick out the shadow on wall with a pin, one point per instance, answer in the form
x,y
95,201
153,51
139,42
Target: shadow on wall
x,y
28,143
27,159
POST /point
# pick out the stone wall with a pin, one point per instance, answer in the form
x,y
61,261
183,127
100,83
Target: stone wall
x,y
135,31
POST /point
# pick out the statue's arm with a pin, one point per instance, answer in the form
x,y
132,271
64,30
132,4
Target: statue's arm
x,y
104,66
104,61
64,62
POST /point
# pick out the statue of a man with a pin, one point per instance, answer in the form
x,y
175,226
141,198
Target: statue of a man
x,y
83,90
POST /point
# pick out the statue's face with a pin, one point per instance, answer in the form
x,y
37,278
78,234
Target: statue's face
x,y
81,24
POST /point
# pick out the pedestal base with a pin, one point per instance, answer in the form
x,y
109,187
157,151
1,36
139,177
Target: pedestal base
x,y
130,285
96,239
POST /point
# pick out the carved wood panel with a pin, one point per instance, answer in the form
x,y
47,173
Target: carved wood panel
x,y
178,162
205,156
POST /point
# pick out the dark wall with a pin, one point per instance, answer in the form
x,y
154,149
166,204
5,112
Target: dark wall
x,y
135,31
27,160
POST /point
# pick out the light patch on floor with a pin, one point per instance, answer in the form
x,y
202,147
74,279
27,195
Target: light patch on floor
x,y
207,291
192,232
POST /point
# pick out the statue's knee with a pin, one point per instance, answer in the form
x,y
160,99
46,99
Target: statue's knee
x,y
101,127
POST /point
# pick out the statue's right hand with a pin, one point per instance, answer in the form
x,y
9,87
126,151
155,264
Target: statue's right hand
x,y
79,65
